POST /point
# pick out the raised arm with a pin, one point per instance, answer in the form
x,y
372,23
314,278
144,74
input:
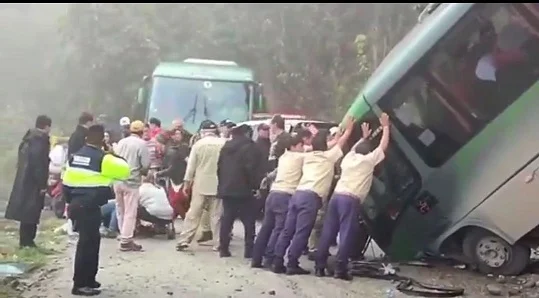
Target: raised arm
x,y
341,141
366,133
384,141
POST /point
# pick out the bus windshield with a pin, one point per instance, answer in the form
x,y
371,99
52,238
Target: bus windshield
x,y
197,100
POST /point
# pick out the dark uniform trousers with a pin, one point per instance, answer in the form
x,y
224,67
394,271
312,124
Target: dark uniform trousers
x,y
244,209
27,234
87,221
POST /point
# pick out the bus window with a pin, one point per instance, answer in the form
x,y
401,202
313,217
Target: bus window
x,y
432,126
492,67
471,76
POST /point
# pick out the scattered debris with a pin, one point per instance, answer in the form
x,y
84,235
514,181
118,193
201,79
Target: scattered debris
x,y
494,290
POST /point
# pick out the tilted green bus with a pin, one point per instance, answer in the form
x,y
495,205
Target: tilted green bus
x,y
198,89
460,175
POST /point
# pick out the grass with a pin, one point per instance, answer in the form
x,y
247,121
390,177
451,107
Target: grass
x,y
49,243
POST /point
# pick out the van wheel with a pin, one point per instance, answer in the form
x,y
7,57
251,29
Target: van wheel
x,y
493,255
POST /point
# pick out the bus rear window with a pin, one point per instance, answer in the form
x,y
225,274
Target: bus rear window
x,y
471,76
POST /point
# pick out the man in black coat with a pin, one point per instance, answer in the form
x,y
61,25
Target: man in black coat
x,y
28,193
238,173
78,138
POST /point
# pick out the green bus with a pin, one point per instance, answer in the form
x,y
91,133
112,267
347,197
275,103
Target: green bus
x,y
459,179
198,89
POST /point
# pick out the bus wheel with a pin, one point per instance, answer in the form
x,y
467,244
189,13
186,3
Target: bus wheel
x,y
494,255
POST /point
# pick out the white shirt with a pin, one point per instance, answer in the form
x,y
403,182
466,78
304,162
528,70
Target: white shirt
x,y
357,173
155,201
58,157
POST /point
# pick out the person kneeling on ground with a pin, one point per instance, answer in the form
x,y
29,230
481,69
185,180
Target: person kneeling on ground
x,y
154,206
110,220
357,170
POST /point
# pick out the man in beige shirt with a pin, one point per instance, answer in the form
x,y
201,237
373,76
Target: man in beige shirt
x,y
288,174
315,183
342,217
201,181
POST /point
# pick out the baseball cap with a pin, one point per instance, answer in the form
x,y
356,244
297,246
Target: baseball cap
x,y
227,123
125,121
208,124
136,126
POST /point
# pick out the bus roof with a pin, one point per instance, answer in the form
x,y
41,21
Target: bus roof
x,y
191,70
407,53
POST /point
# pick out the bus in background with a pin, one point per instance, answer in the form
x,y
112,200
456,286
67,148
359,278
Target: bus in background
x,y
199,89
459,178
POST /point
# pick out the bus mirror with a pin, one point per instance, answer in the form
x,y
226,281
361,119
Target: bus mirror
x,y
145,79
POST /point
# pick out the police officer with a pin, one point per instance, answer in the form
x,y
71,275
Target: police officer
x,y
87,180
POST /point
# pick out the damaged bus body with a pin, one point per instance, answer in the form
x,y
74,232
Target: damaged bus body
x,y
460,174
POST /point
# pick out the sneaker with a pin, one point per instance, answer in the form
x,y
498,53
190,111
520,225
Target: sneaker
x,y
130,246
95,285
86,291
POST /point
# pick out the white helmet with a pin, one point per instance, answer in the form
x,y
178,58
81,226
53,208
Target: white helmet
x,y
125,121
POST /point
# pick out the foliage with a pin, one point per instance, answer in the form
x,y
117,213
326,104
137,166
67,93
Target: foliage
x,y
61,59
304,53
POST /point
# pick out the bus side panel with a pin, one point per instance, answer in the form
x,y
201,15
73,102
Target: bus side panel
x,y
471,175
512,211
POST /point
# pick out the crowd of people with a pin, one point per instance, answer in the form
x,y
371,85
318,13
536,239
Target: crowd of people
x,y
148,174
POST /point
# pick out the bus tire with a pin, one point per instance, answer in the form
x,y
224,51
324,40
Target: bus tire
x,y
477,241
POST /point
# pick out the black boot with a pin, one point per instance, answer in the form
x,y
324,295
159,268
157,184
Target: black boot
x,y
224,253
320,272
341,271
278,266
85,291
296,270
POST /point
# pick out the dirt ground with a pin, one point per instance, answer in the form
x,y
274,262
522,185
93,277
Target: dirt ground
x,y
160,271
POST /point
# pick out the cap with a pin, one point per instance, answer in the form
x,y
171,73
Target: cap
x,y
207,124
263,126
227,123
125,121
136,126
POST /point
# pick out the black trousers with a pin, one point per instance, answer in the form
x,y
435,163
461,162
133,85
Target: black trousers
x,y
27,234
244,209
87,254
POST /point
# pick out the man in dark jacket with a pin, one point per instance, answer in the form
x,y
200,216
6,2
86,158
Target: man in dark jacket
x,y
238,174
28,194
78,137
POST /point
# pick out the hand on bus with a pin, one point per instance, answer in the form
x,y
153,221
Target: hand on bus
x,y
384,120
366,130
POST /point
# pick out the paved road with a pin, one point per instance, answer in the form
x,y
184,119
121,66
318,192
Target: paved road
x,y
160,271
